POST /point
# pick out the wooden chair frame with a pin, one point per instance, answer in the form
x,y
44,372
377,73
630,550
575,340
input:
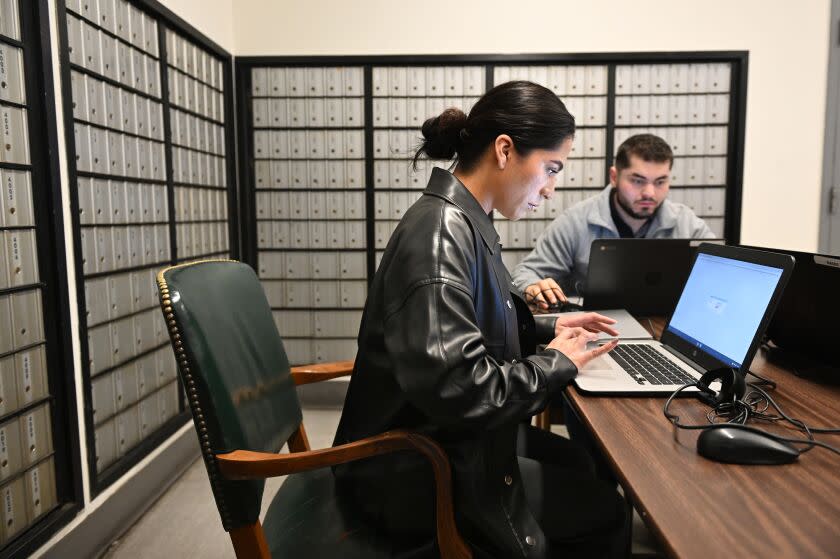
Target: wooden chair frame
x,y
249,541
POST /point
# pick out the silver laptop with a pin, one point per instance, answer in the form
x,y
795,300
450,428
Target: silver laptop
x,y
723,310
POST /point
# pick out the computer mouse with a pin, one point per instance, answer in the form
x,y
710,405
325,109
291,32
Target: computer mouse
x,y
564,307
744,446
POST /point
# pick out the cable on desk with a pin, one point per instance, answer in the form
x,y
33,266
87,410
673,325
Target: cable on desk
x,y
755,405
763,381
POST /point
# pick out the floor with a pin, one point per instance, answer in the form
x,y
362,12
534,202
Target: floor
x,y
184,521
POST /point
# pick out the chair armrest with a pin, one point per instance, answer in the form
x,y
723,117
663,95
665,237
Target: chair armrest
x,y
246,464
305,374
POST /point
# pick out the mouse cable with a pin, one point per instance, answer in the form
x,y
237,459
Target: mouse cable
x,y
824,430
810,442
755,404
751,405
782,415
730,412
764,381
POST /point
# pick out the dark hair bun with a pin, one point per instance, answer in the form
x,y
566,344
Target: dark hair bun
x,y
442,134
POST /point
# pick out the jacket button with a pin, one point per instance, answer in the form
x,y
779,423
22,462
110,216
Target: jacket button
x,y
508,480
530,540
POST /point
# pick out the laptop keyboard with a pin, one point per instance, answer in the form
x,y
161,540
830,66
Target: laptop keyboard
x,y
645,364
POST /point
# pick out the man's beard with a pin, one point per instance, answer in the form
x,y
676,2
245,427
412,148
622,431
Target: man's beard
x,y
631,212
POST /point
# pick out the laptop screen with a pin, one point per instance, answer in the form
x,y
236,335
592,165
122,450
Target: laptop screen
x,y
722,305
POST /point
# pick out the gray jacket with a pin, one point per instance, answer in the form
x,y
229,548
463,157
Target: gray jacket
x,y
562,251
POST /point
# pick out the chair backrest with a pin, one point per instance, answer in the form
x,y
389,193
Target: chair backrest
x,y
234,370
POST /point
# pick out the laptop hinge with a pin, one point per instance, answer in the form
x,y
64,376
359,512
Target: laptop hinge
x,y
684,358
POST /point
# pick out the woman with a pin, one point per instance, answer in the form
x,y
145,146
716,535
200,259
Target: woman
x,y
448,348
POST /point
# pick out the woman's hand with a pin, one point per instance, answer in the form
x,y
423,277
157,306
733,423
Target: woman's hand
x,y
572,341
590,321
543,294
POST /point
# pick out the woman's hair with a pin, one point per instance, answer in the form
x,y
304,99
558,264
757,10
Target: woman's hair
x,y
530,114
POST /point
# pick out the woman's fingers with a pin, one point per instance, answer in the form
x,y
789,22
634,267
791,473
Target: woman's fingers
x,y
601,350
572,343
586,318
592,321
602,327
596,317
567,333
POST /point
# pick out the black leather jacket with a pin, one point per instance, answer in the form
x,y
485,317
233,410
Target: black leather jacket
x,y
441,351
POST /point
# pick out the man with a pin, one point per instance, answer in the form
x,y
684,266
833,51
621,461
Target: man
x,y
633,205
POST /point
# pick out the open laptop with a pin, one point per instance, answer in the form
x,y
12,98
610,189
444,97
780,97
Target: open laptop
x,y
804,326
643,276
722,312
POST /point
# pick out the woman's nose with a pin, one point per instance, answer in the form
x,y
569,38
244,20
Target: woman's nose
x,y
548,190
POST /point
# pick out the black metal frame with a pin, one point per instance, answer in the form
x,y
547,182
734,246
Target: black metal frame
x,y
166,19
736,124
49,231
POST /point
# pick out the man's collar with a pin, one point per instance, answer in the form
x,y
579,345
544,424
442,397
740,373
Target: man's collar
x,y
444,184
600,214
624,230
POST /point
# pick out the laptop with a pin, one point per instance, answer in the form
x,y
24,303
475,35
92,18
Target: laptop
x,y
804,325
643,276
723,310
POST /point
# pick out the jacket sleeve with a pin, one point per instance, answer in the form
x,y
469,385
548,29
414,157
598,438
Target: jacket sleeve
x,y
440,360
544,328
445,371
552,257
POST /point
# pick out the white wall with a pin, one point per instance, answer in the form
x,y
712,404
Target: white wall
x,y
787,42
213,18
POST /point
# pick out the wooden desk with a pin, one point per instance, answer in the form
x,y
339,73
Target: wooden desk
x,y
700,508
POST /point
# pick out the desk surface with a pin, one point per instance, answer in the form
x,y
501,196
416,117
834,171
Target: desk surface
x,y
700,508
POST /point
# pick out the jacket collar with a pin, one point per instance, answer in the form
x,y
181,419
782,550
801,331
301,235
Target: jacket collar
x,y
599,214
443,184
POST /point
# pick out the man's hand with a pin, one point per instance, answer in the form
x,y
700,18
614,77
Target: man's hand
x,y
543,294
590,321
571,342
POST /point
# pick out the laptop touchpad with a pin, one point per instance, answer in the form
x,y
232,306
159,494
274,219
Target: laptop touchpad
x,y
602,363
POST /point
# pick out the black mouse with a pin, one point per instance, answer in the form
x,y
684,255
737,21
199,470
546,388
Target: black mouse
x,y
564,307
744,446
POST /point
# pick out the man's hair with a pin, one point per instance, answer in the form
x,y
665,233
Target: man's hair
x,y
646,147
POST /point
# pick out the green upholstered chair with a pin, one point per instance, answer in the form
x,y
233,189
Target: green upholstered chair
x,y
244,404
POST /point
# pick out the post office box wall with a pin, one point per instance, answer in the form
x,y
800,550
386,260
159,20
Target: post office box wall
x,y
404,96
